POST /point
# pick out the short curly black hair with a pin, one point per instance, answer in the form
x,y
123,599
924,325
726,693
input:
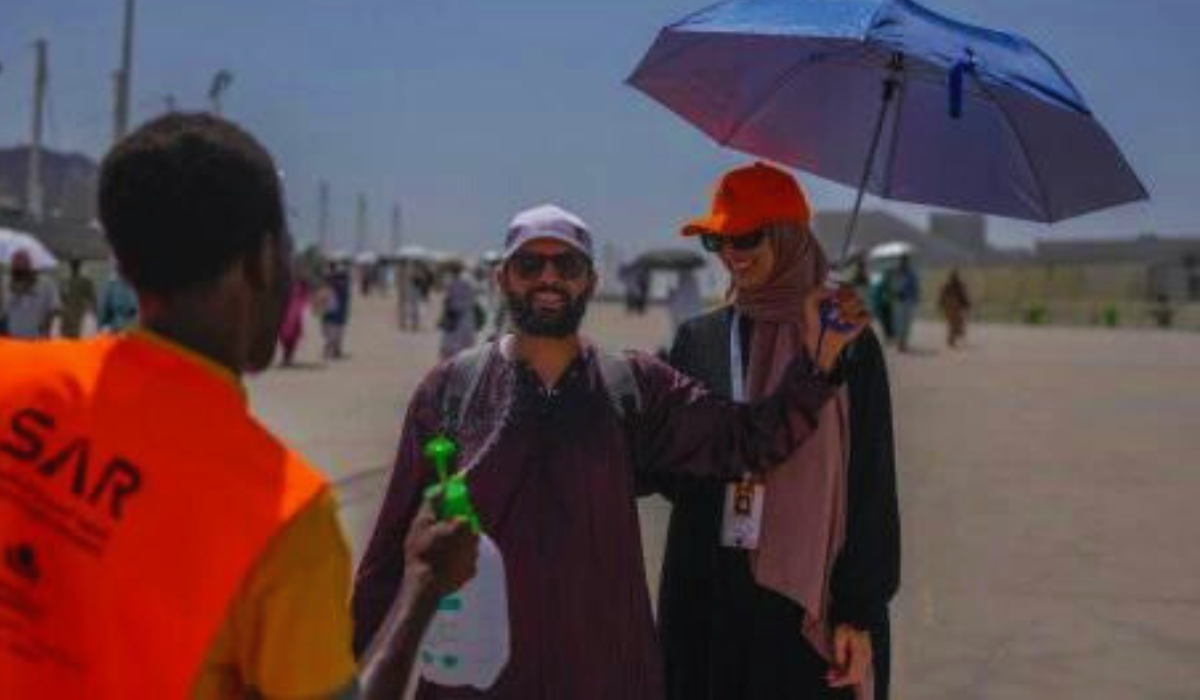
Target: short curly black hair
x,y
184,197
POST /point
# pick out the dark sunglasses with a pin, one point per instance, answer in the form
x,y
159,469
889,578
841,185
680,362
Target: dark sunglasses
x,y
529,266
714,243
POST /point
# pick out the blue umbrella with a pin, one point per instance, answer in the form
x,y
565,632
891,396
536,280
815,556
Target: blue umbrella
x,y
894,99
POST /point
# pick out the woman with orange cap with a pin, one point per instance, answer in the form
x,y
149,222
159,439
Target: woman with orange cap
x,y
778,587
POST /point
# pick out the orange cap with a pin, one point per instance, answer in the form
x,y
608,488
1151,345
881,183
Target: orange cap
x,y
750,197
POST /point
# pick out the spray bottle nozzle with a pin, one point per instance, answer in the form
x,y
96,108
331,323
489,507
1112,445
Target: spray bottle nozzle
x,y
441,451
451,490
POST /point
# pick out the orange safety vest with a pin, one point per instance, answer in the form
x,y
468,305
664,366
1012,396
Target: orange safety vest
x,y
136,494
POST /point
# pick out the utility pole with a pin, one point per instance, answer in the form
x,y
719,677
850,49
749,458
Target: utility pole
x,y
323,216
360,225
124,76
34,202
397,229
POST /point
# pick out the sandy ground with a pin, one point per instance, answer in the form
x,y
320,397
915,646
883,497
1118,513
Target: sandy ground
x,y
1048,477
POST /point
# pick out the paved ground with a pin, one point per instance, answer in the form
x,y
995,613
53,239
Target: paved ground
x,y
1049,488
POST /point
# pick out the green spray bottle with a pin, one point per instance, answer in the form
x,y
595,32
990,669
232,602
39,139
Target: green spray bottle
x,y
467,643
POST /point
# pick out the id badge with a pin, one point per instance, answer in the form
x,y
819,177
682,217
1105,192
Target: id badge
x,y
742,521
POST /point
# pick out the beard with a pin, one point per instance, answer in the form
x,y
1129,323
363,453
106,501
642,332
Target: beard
x,y
562,322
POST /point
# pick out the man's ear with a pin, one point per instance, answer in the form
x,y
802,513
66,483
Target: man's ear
x,y
259,266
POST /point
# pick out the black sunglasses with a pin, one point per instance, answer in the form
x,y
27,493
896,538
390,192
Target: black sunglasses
x,y
570,266
714,243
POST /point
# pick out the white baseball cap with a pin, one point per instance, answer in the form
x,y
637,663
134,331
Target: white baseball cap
x,y
548,221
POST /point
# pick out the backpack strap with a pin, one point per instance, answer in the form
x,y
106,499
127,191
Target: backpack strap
x,y
620,384
466,369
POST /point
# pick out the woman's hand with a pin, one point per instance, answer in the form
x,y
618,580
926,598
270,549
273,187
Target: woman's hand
x,y
851,657
833,318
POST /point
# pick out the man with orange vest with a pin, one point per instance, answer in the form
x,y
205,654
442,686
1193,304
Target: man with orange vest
x,y
157,541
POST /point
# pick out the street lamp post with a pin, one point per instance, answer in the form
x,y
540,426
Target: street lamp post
x,y
220,84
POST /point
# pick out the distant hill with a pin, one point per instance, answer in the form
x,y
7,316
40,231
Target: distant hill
x,y
68,182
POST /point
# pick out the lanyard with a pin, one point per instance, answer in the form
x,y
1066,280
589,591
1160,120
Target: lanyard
x,y
743,499
737,368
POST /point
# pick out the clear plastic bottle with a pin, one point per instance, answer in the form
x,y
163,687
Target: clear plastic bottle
x,y
467,643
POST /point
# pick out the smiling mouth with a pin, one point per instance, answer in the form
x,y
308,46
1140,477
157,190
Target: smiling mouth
x,y
552,300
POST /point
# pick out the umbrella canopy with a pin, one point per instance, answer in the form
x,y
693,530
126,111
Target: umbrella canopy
x,y
895,99
894,249
11,241
366,258
669,259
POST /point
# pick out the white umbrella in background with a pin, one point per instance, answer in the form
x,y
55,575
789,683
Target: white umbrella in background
x,y
11,241
890,251
366,258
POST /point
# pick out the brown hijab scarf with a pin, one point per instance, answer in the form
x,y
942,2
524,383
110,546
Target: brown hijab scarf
x,y
804,508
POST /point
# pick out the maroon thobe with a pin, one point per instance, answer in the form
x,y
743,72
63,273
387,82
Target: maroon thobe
x,y
551,473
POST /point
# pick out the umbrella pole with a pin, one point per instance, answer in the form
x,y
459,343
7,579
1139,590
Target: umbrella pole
x,y
895,66
890,83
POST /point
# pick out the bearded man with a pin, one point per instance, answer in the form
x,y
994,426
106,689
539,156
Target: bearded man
x,y
554,434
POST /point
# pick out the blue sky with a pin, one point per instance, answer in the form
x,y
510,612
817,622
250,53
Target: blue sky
x,y
466,111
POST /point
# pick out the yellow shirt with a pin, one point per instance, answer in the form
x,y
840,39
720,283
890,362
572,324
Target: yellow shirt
x,y
288,633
